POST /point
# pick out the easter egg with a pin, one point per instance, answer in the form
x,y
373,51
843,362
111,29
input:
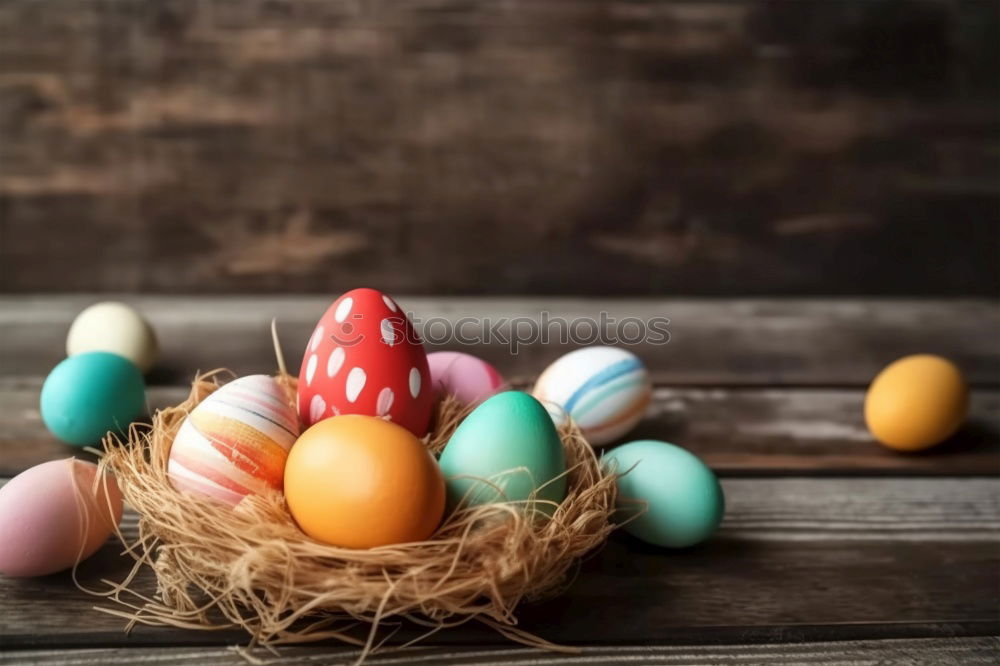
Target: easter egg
x,y
54,515
506,449
359,482
916,402
682,497
90,394
116,328
605,390
464,376
364,357
235,441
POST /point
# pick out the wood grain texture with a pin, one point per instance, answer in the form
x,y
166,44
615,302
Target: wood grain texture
x,y
721,342
950,652
746,431
848,509
766,388
434,146
795,558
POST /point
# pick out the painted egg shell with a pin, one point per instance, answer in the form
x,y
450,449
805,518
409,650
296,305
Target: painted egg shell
x,y
464,376
359,482
364,357
54,515
604,389
116,328
916,402
506,449
667,495
91,394
236,441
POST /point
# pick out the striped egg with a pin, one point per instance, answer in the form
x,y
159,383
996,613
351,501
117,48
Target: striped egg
x,y
235,441
604,389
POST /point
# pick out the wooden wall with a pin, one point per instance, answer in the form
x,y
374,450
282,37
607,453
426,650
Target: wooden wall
x,y
486,146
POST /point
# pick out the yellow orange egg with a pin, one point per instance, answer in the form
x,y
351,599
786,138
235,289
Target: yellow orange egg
x,y
916,402
358,482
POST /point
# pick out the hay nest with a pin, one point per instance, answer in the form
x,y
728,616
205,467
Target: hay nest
x,y
251,566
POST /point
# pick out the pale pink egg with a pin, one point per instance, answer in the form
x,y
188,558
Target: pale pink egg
x,y
468,378
52,517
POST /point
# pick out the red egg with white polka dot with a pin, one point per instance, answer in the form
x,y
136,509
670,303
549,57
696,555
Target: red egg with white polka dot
x,y
364,357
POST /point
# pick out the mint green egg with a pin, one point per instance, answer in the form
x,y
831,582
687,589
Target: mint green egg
x,y
509,441
90,394
684,499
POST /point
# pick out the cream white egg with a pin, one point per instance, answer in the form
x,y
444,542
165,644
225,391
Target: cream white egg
x,y
116,328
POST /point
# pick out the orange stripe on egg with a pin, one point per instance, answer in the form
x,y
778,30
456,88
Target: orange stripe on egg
x,y
249,450
638,407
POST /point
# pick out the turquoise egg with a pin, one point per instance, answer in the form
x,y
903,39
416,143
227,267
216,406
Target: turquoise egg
x,y
510,441
683,497
89,394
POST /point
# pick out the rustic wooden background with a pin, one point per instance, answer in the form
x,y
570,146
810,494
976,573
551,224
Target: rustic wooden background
x,y
478,147
492,158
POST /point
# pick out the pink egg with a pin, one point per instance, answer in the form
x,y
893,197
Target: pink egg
x,y
52,517
468,378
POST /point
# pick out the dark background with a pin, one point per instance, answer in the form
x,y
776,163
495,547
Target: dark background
x,y
478,147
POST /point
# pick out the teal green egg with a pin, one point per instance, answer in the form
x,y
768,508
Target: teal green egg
x,y
89,394
683,497
510,441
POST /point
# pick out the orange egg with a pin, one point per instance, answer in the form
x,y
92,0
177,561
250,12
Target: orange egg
x,y
916,402
358,482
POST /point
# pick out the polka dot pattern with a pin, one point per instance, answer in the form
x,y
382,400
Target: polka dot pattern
x,y
414,382
344,309
311,368
388,332
335,362
317,336
364,357
356,379
385,398
316,407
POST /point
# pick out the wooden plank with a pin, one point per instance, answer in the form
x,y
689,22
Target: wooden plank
x,y
711,342
793,555
530,146
951,651
809,509
884,509
736,431
945,510
809,431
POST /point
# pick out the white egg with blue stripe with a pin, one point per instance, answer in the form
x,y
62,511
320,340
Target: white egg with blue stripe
x,y
605,390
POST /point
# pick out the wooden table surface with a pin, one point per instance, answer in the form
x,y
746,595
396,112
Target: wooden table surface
x,y
833,549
